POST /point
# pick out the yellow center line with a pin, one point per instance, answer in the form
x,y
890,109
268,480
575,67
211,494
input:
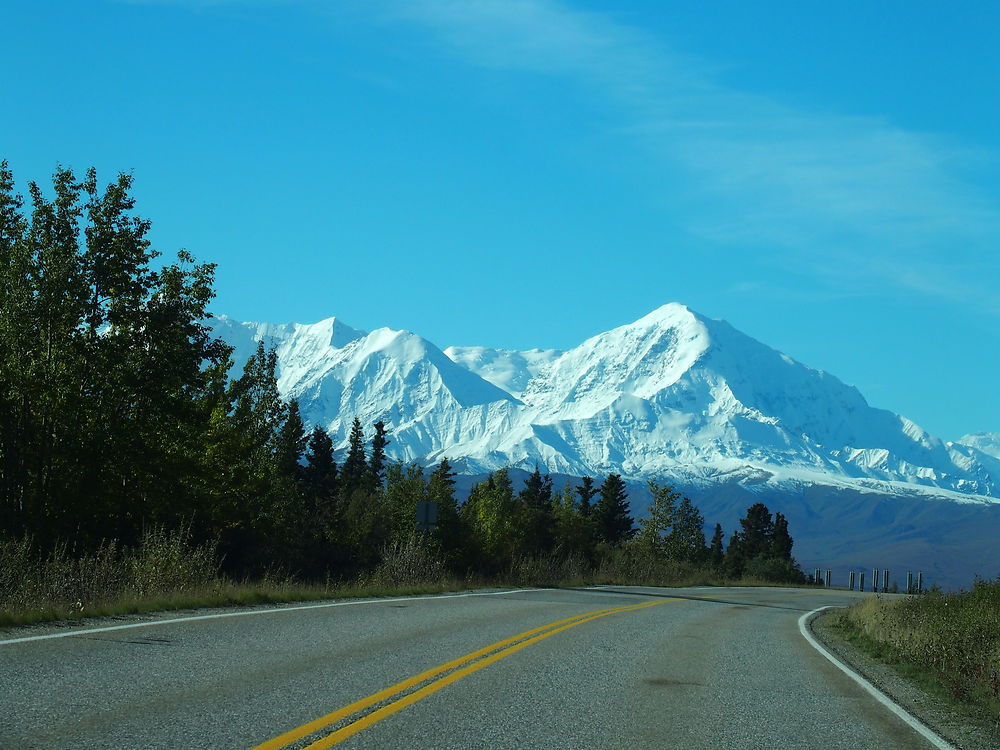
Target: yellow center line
x,y
342,713
376,716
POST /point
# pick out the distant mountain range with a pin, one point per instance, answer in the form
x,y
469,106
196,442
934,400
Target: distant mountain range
x,y
674,396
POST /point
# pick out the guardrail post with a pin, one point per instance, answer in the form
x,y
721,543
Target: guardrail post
x,y
828,578
861,581
852,580
909,582
920,582
885,581
817,578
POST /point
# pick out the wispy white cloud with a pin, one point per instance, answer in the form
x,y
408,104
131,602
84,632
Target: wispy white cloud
x,y
857,200
890,205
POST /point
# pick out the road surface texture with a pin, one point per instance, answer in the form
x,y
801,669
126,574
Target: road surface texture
x,y
610,667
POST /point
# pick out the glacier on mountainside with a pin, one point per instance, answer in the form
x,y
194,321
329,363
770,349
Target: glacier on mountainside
x,y
509,370
673,394
984,442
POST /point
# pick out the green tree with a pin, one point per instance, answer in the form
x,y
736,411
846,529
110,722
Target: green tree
x,y
735,558
586,492
108,374
686,540
376,462
574,532
756,550
354,470
404,488
290,443
450,532
756,532
319,480
716,552
612,514
489,513
654,528
250,508
536,522
781,540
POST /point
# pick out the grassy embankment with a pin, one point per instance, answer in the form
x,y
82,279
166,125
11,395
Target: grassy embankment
x,y
166,572
949,644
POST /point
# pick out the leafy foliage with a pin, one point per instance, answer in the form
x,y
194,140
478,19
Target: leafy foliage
x,y
119,420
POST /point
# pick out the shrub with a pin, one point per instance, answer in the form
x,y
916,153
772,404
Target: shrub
x,y
164,563
956,636
414,560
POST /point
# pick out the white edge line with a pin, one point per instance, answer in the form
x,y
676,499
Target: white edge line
x,y
881,697
272,610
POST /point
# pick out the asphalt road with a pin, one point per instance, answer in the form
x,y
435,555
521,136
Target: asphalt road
x,y
719,669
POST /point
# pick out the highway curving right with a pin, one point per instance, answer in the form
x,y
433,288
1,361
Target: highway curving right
x,y
606,667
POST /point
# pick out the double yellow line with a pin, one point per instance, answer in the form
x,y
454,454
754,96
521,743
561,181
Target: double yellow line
x,y
446,674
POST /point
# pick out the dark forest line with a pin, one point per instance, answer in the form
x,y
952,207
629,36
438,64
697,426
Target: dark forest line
x,y
120,424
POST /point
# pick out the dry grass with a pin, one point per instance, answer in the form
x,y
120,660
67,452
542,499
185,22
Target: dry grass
x,y
414,561
166,571
953,637
165,565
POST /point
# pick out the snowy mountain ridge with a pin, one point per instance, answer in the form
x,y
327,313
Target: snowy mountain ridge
x,y
673,394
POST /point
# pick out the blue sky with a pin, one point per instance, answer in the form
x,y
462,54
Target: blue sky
x,y
521,173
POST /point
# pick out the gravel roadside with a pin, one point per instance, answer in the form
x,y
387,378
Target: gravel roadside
x,y
964,731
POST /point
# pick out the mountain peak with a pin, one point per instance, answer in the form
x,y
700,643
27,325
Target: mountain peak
x,y
672,313
671,394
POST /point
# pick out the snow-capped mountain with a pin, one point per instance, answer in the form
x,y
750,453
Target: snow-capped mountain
x,y
984,442
337,372
509,370
673,395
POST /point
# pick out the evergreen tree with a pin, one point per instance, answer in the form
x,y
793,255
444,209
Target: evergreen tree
x,y
781,541
756,533
759,549
716,553
536,511
258,409
376,463
290,443
450,531
319,479
586,491
735,558
354,469
612,514
250,509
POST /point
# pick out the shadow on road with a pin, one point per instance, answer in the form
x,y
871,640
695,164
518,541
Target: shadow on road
x,y
709,599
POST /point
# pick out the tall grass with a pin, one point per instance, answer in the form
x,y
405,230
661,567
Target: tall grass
x,y
167,570
413,561
36,586
956,637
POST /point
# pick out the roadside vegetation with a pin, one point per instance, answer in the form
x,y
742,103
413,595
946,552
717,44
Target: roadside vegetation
x,y
948,642
136,473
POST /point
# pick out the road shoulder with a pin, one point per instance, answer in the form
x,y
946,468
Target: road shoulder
x,y
966,732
